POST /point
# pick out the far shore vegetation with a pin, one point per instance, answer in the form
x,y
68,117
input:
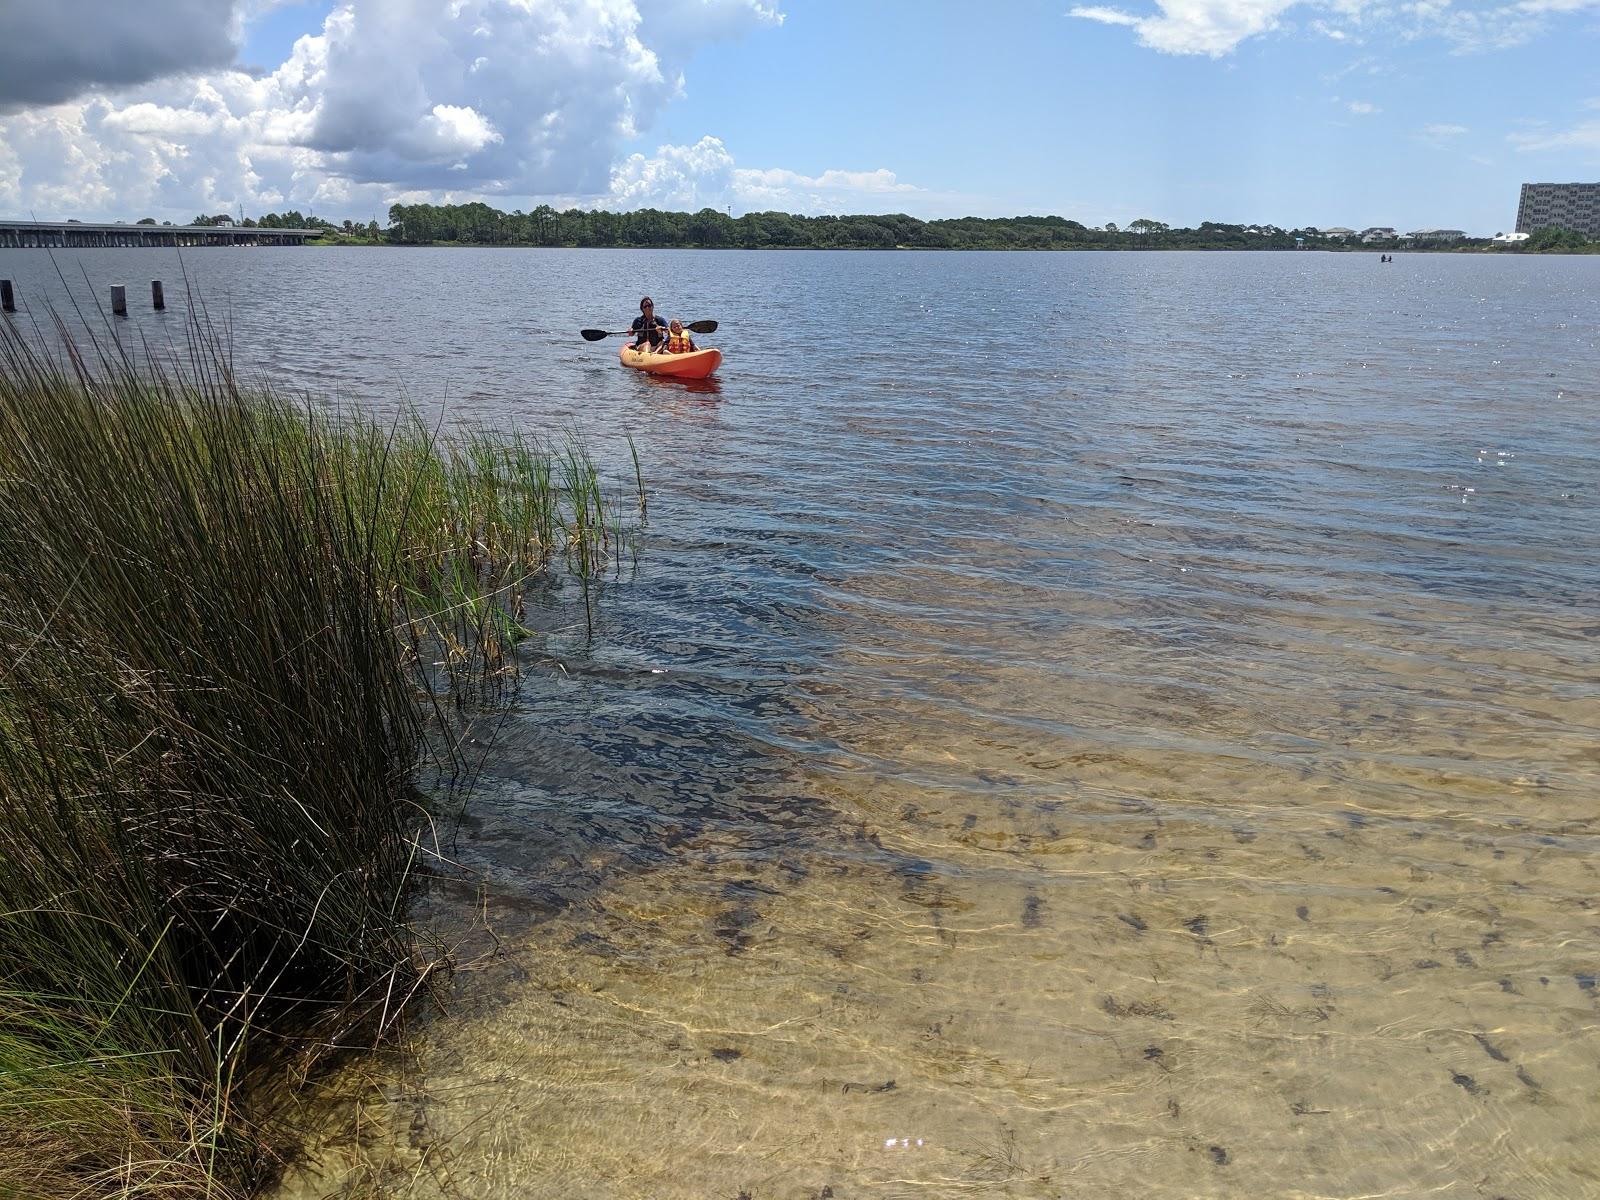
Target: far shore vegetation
x,y
241,637
478,224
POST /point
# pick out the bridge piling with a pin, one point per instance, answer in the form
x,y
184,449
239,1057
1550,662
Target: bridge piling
x,y
8,298
119,299
158,299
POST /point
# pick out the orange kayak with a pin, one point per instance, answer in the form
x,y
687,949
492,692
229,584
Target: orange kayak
x,y
696,364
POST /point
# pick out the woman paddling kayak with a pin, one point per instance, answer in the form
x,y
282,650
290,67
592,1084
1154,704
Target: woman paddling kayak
x,y
647,327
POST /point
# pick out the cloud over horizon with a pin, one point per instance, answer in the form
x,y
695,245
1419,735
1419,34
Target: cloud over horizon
x,y
705,175
396,100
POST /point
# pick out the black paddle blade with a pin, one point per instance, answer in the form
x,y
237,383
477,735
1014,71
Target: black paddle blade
x,y
702,326
593,335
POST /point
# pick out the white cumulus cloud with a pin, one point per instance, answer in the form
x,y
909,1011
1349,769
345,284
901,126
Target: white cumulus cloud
x,y
680,178
389,99
457,129
705,175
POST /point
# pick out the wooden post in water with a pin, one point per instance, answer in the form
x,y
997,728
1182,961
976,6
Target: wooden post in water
x,y
158,299
119,299
8,298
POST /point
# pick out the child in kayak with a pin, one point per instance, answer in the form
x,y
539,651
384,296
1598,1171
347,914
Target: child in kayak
x,y
647,326
678,340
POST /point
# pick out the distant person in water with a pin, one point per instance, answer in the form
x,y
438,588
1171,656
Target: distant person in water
x,y
678,339
647,326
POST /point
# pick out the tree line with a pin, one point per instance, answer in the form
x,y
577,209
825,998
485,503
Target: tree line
x,y
710,228
478,224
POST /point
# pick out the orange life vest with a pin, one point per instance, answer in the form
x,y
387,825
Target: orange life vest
x,y
679,343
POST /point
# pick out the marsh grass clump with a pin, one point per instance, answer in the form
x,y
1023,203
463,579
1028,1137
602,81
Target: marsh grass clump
x,y
233,628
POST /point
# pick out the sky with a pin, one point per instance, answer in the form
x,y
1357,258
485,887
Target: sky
x,y
1413,114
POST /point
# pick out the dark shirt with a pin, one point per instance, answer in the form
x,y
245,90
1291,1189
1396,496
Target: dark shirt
x,y
652,333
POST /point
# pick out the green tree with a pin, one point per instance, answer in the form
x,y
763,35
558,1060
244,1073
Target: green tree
x,y
710,227
543,225
1554,238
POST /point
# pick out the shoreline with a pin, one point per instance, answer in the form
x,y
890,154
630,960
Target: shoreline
x,y
1593,249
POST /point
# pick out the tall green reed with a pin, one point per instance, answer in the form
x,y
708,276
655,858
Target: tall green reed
x,y
232,631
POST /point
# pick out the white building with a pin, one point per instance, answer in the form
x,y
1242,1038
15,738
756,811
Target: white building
x,y
1378,233
1510,238
1437,235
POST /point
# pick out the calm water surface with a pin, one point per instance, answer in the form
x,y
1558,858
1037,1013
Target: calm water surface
x,y
1082,725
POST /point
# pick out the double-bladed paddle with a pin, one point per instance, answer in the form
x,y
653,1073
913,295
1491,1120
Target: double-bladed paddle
x,y
594,335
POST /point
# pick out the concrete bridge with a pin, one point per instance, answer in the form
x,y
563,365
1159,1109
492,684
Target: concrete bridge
x,y
66,235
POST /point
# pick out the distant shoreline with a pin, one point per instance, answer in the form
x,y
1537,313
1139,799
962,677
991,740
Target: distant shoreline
x,y
477,224
1592,248
339,241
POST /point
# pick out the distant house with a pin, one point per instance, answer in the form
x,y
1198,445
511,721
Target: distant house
x,y
1510,238
1437,235
1378,233
1339,231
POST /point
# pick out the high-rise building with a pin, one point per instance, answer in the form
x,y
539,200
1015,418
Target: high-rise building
x,y
1560,206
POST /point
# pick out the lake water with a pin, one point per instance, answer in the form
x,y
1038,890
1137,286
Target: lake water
x,y
1081,725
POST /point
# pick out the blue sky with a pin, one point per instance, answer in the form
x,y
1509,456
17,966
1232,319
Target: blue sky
x,y
1346,112
1028,110
268,35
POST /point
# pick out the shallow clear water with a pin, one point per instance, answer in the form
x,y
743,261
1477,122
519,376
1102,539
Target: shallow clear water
x,y
1082,725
